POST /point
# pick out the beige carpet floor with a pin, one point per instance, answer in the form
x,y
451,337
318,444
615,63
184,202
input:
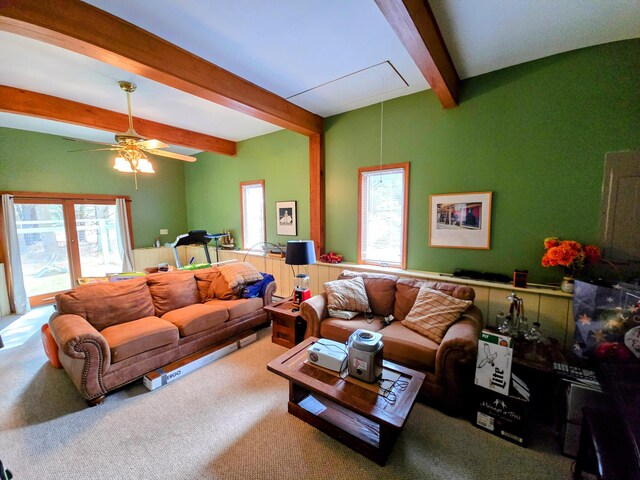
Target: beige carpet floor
x,y
227,420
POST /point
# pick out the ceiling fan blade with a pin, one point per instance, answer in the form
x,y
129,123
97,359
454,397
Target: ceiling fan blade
x,y
85,141
95,149
152,144
177,156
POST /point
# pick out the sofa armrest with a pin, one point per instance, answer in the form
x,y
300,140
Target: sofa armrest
x,y
313,311
85,353
460,344
269,292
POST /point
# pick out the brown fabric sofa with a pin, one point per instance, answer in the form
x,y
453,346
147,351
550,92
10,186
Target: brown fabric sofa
x,y
448,366
109,334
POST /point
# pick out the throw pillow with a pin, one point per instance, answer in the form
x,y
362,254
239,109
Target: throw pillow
x,y
433,313
344,314
239,273
219,288
204,276
347,295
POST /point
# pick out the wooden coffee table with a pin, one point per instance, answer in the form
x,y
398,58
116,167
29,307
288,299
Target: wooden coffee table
x,y
346,409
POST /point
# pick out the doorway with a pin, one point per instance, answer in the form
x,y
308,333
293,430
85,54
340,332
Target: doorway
x,y
62,239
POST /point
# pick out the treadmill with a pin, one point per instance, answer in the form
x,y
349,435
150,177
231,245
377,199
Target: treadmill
x,y
196,237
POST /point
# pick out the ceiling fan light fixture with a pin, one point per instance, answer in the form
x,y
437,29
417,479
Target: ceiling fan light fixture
x,y
144,166
122,165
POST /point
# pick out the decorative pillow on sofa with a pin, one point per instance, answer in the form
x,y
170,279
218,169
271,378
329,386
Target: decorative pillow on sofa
x,y
349,295
219,288
380,288
433,313
343,314
239,273
204,277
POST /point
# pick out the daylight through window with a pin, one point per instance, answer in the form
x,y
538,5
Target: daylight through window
x,y
383,215
253,228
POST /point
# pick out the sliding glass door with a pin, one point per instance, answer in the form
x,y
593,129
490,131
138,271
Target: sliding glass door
x,y
95,226
61,240
44,248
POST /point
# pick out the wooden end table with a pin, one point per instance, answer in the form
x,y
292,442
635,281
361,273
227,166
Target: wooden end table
x,y
287,326
533,363
344,408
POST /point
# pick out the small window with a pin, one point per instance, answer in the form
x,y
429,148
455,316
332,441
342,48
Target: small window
x,y
383,196
252,207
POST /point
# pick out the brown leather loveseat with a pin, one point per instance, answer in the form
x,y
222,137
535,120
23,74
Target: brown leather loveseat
x,y
448,365
110,334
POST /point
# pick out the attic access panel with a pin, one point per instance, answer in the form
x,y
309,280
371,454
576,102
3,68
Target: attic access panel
x,y
358,89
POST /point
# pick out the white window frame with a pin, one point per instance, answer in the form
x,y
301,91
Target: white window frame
x,y
246,217
363,174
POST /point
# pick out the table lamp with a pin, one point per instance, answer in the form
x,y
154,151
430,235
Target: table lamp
x,y
300,252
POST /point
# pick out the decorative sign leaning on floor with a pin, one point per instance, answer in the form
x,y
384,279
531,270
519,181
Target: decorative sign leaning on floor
x,y
493,366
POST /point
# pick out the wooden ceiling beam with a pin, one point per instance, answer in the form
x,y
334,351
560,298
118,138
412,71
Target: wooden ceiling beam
x,y
416,27
25,102
85,29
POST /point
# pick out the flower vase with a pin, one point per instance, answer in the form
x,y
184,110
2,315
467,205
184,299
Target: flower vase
x,y
567,284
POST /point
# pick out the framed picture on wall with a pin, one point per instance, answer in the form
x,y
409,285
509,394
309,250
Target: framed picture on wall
x,y
460,220
286,218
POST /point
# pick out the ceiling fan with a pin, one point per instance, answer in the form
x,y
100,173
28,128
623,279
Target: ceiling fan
x,y
132,147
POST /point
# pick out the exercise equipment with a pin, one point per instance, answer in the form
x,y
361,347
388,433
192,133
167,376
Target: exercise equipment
x,y
196,237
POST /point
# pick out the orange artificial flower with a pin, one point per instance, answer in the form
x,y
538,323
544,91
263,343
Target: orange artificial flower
x,y
569,254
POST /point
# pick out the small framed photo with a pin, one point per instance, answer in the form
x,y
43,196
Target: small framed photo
x,y
286,218
460,220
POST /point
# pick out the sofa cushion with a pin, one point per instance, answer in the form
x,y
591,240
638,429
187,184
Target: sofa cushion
x,y
219,289
380,288
106,304
239,273
407,290
172,290
348,294
196,318
239,307
204,276
408,347
340,330
433,312
138,336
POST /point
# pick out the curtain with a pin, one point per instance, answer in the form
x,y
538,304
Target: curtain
x,y
124,237
17,293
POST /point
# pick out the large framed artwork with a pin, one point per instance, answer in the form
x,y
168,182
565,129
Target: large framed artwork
x,y
286,218
460,220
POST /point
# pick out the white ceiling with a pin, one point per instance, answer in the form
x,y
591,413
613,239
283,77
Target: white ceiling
x,y
327,56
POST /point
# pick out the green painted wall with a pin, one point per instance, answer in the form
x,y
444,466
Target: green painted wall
x,y
37,162
534,134
281,159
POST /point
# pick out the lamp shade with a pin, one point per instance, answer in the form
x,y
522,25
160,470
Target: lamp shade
x,y
300,252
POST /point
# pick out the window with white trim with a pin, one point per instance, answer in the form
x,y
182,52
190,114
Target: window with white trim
x,y
252,207
383,198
